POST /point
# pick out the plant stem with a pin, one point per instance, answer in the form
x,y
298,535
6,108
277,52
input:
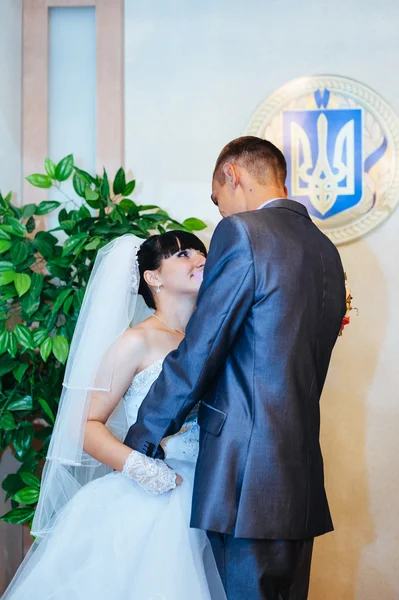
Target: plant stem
x,y
57,185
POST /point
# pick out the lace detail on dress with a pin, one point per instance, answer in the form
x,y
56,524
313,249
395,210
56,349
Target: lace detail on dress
x,y
138,390
185,444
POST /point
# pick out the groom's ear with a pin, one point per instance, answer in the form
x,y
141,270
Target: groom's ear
x,y
231,174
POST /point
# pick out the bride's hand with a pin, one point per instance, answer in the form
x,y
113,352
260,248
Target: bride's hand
x,y
152,474
179,479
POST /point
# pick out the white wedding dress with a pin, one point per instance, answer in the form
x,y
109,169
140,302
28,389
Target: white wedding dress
x,y
114,541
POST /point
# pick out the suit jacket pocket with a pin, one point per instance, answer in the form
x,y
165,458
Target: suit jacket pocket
x,y
211,419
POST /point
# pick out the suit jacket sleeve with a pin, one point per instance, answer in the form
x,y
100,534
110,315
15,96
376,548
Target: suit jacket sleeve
x,y
225,297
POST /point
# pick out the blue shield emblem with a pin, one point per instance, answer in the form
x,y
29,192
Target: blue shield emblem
x,y
324,156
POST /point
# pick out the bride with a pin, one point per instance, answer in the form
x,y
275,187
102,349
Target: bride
x,y
111,522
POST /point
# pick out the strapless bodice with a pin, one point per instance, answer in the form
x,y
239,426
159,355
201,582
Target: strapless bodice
x,y
182,446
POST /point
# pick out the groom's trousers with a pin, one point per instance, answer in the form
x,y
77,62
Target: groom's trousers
x,y
262,569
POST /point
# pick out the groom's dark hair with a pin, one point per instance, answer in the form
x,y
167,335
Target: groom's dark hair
x,y
262,159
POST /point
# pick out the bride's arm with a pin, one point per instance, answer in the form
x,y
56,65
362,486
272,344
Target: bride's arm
x,y
99,441
152,475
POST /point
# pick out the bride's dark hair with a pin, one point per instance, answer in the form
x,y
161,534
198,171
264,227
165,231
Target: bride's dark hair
x,y
156,248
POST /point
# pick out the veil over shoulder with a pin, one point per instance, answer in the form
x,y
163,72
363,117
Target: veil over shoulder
x,y
108,308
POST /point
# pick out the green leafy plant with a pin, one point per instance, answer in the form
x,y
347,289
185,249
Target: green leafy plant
x,y
43,275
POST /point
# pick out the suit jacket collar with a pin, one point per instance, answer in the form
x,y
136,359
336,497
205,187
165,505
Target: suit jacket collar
x,y
288,205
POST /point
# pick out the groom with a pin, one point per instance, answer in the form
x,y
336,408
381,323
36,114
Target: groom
x,y
255,355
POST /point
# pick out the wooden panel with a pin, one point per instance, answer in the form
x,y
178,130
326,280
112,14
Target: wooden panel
x,y
11,536
34,94
110,88
68,3
15,540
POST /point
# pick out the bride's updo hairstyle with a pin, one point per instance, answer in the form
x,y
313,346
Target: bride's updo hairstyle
x,y
156,248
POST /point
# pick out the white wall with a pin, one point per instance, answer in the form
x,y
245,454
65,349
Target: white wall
x,y
195,72
10,96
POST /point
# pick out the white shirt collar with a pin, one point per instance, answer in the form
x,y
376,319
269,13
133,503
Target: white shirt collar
x,y
268,202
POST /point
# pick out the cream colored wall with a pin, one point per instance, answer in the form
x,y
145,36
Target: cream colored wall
x,y
194,74
10,95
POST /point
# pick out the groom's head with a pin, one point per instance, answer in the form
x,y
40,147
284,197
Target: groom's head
x,y
248,172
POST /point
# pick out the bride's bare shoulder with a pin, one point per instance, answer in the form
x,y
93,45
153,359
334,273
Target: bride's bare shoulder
x,y
136,339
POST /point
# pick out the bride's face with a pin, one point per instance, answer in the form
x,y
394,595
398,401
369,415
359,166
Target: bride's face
x,y
182,272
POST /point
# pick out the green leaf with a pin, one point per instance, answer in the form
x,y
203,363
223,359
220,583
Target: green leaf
x,y
30,304
45,235
12,345
7,365
7,277
63,215
22,439
62,296
5,265
129,188
194,224
119,182
25,403
30,225
105,186
30,463
91,195
22,282
78,297
115,216
79,185
7,421
46,409
19,252
84,212
68,225
18,516
28,210
68,304
24,336
64,168
74,243
38,180
50,168
28,495
47,206
30,479
43,246
85,176
4,246
39,335
143,207
45,348
127,205
20,371
4,235
93,245
37,281
12,225
60,348
4,340
12,483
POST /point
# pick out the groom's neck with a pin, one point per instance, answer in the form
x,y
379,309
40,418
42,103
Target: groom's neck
x,y
256,195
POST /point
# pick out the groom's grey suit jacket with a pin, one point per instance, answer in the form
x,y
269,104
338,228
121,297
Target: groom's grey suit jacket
x,y
256,355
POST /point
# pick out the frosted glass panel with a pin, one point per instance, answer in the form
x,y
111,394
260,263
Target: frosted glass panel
x,y
72,87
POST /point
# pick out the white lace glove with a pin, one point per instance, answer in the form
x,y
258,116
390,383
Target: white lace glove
x,y
152,474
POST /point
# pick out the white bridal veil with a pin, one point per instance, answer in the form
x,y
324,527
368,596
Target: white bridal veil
x,y
110,305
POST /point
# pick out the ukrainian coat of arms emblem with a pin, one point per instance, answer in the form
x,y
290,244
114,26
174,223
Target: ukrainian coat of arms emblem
x,y
341,142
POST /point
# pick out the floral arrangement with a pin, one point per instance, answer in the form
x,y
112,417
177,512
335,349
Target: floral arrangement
x,y
346,320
